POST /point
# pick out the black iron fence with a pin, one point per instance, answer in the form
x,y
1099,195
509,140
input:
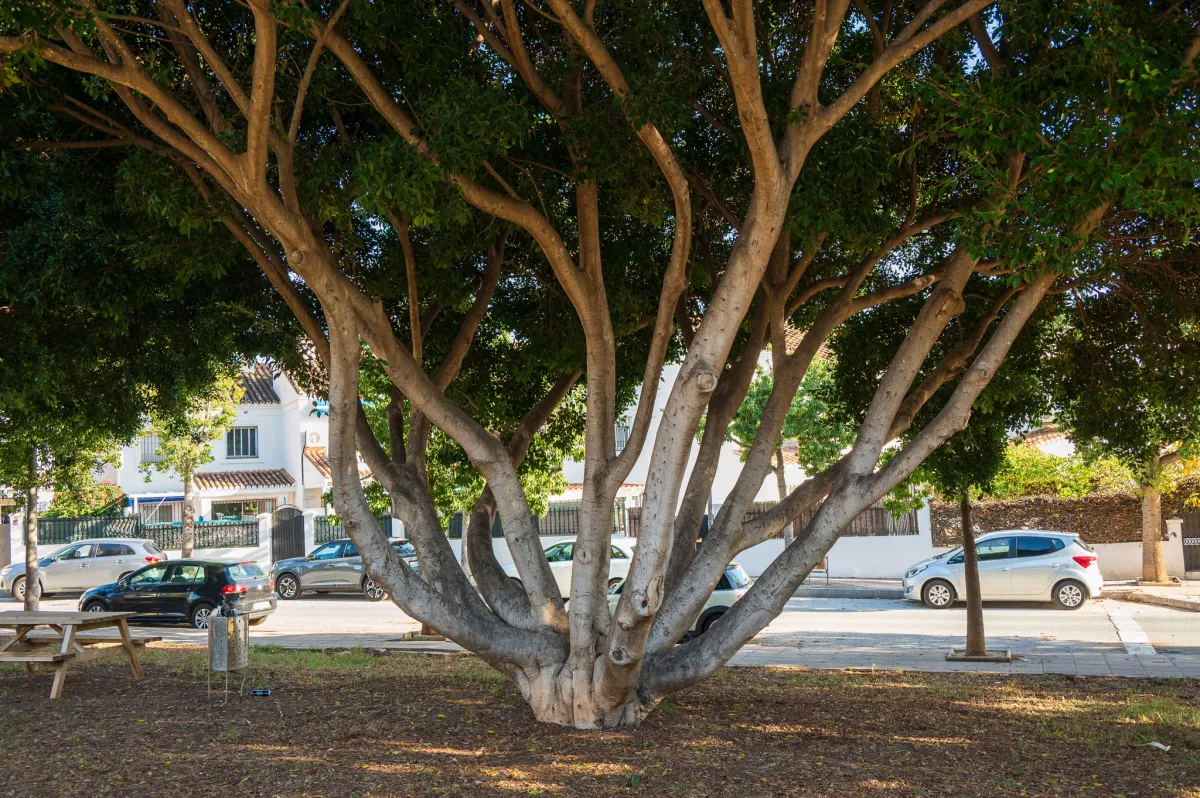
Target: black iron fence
x,y
325,530
209,534
875,521
561,520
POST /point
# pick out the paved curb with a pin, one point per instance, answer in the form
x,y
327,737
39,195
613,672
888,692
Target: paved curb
x,y
849,592
1139,597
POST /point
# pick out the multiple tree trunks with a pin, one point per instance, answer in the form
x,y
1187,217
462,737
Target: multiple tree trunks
x,y
576,665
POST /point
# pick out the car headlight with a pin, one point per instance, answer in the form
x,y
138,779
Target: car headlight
x,y
6,570
914,571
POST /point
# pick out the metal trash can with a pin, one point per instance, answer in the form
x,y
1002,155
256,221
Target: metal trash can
x,y
228,645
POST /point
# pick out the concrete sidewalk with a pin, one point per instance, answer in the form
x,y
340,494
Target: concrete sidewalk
x,y
1184,596
846,587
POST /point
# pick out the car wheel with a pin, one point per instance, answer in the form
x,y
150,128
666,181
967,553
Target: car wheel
x,y
372,591
1069,594
938,594
258,621
95,605
18,590
616,580
288,587
199,616
710,620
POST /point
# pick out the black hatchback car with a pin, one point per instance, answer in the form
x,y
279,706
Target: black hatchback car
x,y
187,590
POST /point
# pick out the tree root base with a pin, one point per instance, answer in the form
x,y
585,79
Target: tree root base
x,y
1172,582
960,655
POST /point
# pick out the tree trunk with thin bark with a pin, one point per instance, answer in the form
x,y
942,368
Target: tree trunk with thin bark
x,y
1154,566
781,486
976,642
189,515
30,535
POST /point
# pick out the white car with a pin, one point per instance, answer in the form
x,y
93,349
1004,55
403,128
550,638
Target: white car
x,y
1014,565
82,565
561,556
733,585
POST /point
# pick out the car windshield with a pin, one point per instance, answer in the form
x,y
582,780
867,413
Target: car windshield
x,y
404,549
737,577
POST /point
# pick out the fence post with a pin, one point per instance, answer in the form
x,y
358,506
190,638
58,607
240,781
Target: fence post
x,y
264,535
310,529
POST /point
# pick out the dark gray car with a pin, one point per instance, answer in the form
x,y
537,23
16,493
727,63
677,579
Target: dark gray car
x,y
334,567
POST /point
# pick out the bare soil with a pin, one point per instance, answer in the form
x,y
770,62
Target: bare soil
x,y
365,724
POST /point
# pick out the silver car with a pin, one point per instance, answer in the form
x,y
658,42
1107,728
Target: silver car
x,y
82,565
1014,565
333,567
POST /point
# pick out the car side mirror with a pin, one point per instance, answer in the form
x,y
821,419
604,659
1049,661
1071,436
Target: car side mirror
x,y
310,558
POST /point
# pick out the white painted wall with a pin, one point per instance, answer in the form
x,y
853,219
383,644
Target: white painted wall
x,y
875,557
1123,561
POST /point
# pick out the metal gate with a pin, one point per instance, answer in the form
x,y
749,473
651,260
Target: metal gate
x,y
287,533
1191,541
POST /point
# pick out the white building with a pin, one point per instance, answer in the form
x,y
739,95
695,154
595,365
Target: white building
x,y
275,456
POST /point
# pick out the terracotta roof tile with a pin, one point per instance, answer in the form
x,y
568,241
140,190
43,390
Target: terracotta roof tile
x,y
792,338
1045,434
319,457
252,478
259,383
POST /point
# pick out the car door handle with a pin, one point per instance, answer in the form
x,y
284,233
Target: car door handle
x,y
1005,569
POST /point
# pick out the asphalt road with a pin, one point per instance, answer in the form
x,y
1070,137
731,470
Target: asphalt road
x,y
842,624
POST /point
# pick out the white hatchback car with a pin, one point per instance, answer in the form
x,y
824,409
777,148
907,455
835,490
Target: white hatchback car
x,y
733,585
1014,565
561,557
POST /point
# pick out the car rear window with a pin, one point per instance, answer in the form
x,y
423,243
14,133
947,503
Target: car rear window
x,y
150,547
244,571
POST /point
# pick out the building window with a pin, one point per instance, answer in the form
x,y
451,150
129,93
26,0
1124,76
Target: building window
x,y
622,435
150,452
241,511
155,512
241,442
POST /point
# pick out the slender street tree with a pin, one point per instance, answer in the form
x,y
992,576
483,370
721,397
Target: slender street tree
x,y
185,441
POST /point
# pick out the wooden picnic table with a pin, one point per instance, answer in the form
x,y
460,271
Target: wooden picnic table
x,y
60,639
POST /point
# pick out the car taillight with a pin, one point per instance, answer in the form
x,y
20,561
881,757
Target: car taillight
x,y
232,589
1084,560
152,560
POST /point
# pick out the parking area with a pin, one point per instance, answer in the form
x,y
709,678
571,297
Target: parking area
x,y
1102,638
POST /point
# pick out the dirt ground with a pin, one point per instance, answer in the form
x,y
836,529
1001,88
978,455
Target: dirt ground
x,y
364,724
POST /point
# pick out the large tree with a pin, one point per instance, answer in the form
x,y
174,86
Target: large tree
x,y
1126,369
100,324
652,182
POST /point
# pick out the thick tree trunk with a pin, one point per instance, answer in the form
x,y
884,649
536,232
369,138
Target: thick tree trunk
x,y
32,594
1154,567
976,643
781,484
189,516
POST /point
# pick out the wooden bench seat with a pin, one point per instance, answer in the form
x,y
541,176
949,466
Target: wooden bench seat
x,y
49,635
